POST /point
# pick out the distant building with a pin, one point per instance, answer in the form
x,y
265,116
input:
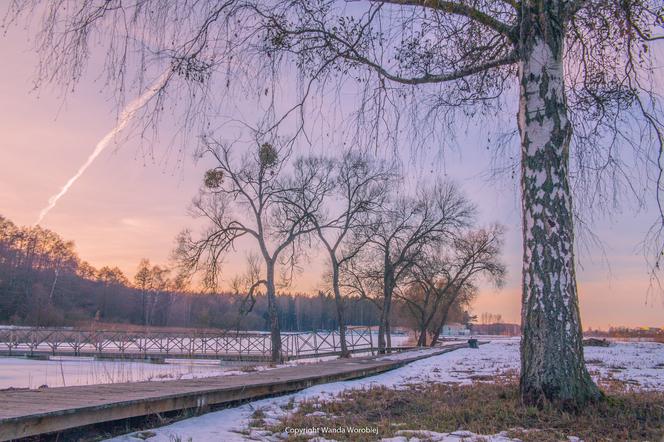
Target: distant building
x,y
455,329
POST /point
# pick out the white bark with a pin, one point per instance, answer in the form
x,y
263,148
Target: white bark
x,y
551,349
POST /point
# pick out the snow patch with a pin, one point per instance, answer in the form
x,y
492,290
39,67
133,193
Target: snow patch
x,y
639,363
456,436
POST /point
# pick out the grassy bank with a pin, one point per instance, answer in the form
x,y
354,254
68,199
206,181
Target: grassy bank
x,y
483,408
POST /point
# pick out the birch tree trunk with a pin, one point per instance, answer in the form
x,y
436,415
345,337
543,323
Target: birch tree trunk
x,y
275,332
552,364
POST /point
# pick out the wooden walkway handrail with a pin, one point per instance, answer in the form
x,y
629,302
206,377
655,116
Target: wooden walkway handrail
x,y
195,344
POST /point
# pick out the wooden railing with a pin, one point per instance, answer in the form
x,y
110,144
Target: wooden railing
x,y
193,344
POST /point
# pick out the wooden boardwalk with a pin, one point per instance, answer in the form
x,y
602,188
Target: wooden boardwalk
x,y
26,413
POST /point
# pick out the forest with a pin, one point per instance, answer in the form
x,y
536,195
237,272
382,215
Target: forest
x,y
43,282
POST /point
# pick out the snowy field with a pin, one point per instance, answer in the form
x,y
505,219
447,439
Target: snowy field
x,y
640,364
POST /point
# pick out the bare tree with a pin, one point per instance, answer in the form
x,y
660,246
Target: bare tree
x,y
356,188
403,229
143,282
490,318
442,275
419,303
476,255
583,69
152,281
249,198
160,294
248,283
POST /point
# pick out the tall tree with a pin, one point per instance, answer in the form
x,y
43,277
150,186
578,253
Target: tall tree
x,y
450,271
403,230
583,69
578,64
143,282
356,186
160,295
249,198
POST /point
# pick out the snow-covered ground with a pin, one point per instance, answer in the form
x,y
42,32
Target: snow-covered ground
x,y
640,364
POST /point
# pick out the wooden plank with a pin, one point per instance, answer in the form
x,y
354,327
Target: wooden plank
x,y
26,413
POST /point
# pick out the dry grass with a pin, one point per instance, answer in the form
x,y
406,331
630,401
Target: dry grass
x,y
123,326
485,408
248,368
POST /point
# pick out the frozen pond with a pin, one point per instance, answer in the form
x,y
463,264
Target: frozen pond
x,y
59,372
19,372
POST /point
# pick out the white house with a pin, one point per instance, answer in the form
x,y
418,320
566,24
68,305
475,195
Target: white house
x,y
455,329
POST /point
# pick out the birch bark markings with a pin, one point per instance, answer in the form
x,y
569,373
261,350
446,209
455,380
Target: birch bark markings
x,y
552,364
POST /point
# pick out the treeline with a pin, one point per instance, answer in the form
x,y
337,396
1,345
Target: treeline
x,y
655,333
44,282
498,328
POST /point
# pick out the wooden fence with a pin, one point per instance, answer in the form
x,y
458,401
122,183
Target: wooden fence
x,y
193,344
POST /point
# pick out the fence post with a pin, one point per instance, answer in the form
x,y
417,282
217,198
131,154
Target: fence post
x,y
33,342
371,345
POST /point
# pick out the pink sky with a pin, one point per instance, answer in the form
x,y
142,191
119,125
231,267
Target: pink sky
x,y
132,201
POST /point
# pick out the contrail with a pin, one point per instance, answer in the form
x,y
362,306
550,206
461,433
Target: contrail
x,y
125,117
